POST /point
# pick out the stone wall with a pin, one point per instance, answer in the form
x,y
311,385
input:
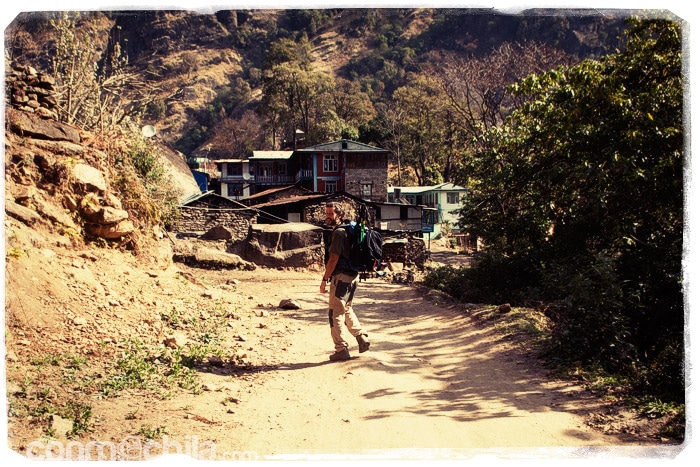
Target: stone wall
x,y
198,220
31,91
356,177
408,251
293,245
316,213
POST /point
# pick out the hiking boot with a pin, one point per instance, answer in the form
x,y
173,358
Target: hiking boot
x,y
340,355
362,342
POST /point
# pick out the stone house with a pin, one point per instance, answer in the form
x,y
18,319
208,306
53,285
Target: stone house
x,y
311,208
203,212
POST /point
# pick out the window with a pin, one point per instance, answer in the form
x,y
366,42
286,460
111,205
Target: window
x,y
366,190
265,169
234,190
234,169
281,168
330,162
452,197
331,187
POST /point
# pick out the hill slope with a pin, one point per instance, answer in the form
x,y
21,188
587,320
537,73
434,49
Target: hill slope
x,y
193,57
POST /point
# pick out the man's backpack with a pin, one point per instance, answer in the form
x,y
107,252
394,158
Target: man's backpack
x,y
365,248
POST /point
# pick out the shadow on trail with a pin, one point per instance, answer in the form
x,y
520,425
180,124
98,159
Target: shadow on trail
x,y
470,376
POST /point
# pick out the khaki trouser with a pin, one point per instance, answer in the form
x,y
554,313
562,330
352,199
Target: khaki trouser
x,y
340,312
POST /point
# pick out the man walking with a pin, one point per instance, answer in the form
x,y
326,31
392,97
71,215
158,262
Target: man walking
x,y
343,282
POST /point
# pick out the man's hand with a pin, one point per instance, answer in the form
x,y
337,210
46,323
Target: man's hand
x,y
323,285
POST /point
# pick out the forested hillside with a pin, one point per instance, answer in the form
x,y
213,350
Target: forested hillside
x,y
233,81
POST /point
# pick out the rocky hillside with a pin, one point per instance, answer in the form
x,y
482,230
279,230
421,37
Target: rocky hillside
x,y
193,57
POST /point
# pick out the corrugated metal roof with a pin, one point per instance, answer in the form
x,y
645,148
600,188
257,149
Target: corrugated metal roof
x,y
211,194
342,145
274,190
271,154
291,199
412,190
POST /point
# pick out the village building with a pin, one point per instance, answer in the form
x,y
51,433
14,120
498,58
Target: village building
x,y
281,188
340,166
446,198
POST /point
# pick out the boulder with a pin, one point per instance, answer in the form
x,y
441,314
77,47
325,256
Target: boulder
x,y
21,213
292,245
111,231
89,177
218,232
33,126
210,258
289,304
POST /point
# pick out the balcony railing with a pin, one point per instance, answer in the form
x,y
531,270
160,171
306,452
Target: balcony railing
x,y
269,179
305,174
274,179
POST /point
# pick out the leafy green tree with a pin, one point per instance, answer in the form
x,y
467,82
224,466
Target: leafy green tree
x,y
584,185
419,119
295,99
351,103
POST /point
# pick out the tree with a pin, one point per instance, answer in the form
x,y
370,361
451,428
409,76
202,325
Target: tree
x,y
238,137
475,87
584,183
94,91
294,96
419,127
351,103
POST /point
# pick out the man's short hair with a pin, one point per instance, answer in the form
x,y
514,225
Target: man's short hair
x,y
337,209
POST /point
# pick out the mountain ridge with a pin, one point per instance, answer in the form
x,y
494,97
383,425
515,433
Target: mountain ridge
x,y
195,56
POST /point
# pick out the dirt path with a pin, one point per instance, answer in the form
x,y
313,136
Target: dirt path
x,y
435,383
433,380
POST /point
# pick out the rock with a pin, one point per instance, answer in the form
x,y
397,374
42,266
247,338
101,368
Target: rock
x,y
27,124
21,213
296,244
70,203
54,213
505,308
111,200
289,304
218,232
61,426
216,361
46,114
91,178
25,193
213,294
110,215
209,258
80,321
175,340
90,207
111,231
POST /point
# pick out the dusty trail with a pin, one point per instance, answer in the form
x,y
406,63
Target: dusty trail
x,y
433,384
